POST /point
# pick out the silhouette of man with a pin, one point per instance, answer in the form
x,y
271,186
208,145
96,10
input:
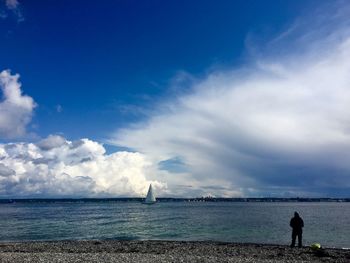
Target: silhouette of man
x,y
297,224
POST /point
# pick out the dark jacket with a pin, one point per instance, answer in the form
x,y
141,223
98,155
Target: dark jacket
x,y
297,223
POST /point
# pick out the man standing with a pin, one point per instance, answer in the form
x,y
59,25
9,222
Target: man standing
x,y
297,224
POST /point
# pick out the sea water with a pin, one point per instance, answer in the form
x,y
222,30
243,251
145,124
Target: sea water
x,y
325,223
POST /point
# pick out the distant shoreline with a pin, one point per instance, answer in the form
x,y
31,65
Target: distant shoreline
x,y
168,199
162,251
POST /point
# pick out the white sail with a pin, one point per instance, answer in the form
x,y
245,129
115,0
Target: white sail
x,y
150,198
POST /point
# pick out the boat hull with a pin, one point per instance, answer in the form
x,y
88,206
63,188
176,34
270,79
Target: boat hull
x,y
149,203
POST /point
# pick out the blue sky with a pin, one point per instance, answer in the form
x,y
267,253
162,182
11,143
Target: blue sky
x,y
94,58
184,94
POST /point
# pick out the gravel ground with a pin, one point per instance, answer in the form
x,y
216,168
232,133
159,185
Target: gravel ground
x,y
162,251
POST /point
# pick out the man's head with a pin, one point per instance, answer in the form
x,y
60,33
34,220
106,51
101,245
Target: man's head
x,y
296,214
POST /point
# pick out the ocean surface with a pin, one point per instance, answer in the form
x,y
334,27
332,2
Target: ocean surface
x,y
325,223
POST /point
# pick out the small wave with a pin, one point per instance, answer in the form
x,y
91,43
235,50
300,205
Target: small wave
x,y
173,218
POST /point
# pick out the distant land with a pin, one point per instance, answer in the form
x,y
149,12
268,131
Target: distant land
x,y
169,199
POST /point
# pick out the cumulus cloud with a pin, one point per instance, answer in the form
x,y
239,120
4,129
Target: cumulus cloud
x,y
56,167
16,109
5,171
51,142
278,127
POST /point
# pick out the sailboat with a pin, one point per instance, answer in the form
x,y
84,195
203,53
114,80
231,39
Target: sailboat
x,y
150,198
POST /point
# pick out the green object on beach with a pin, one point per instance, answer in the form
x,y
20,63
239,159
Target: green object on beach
x,y
316,246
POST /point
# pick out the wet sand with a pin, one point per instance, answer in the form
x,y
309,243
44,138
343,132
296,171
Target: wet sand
x,y
162,251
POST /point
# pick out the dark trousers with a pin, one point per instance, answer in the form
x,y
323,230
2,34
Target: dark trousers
x,y
300,237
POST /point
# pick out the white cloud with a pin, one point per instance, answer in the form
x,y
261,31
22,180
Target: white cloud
x,y
12,4
59,108
14,7
55,167
51,142
5,171
279,127
16,109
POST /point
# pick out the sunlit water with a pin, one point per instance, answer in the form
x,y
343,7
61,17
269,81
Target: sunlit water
x,y
326,223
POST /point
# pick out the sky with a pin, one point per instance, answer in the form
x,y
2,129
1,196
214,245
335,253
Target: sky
x,y
228,98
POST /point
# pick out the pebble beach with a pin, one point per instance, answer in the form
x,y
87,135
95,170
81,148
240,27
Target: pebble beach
x,y
162,251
